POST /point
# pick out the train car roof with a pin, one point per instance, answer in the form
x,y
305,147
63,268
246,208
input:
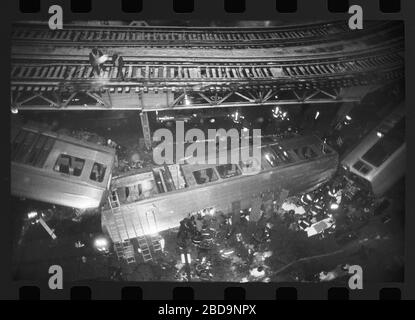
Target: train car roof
x,y
360,147
136,175
285,143
392,119
69,139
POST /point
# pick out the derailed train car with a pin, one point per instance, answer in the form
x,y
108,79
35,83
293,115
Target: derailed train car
x,y
156,199
379,160
58,169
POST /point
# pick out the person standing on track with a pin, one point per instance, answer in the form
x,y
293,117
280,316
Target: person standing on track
x,y
96,60
118,62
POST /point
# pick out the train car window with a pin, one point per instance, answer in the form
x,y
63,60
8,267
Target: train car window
x,y
167,179
97,172
177,176
386,145
228,170
298,154
159,182
143,190
122,193
305,153
362,167
69,165
250,166
271,158
358,164
318,149
133,193
205,175
283,156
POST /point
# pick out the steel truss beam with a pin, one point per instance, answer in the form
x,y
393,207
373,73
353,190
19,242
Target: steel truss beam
x,y
261,97
54,100
179,99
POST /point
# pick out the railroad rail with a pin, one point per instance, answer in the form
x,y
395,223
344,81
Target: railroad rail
x,y
228,37
349,70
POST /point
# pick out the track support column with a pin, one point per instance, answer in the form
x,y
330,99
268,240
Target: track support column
x,y
146,130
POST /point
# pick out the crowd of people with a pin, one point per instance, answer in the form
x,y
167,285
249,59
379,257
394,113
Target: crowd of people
x,y
341,200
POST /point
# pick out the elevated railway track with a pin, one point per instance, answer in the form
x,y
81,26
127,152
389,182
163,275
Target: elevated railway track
x,y
212,37
388,35
57,76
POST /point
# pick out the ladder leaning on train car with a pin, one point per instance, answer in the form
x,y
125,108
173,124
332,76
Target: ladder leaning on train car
x,y
124,248
144,243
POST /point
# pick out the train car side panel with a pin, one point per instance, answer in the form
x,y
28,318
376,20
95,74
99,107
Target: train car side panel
x,y
390,172
32,184
59,169
171,208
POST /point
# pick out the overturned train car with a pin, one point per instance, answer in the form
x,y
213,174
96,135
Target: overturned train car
x,y
156,199
58,169
379,160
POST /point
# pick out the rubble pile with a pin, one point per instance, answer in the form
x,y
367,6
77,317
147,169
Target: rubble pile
x,y
89,137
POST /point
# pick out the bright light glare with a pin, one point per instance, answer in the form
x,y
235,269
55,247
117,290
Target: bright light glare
x,y
186,100
334,206
32,214
101,243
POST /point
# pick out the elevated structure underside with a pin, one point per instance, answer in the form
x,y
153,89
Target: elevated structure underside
x,y
177,68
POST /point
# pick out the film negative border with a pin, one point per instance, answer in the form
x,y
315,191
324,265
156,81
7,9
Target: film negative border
x,y
209,291
248,9
196,9
230,6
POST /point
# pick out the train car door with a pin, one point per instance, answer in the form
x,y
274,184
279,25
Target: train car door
x,y
148,219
